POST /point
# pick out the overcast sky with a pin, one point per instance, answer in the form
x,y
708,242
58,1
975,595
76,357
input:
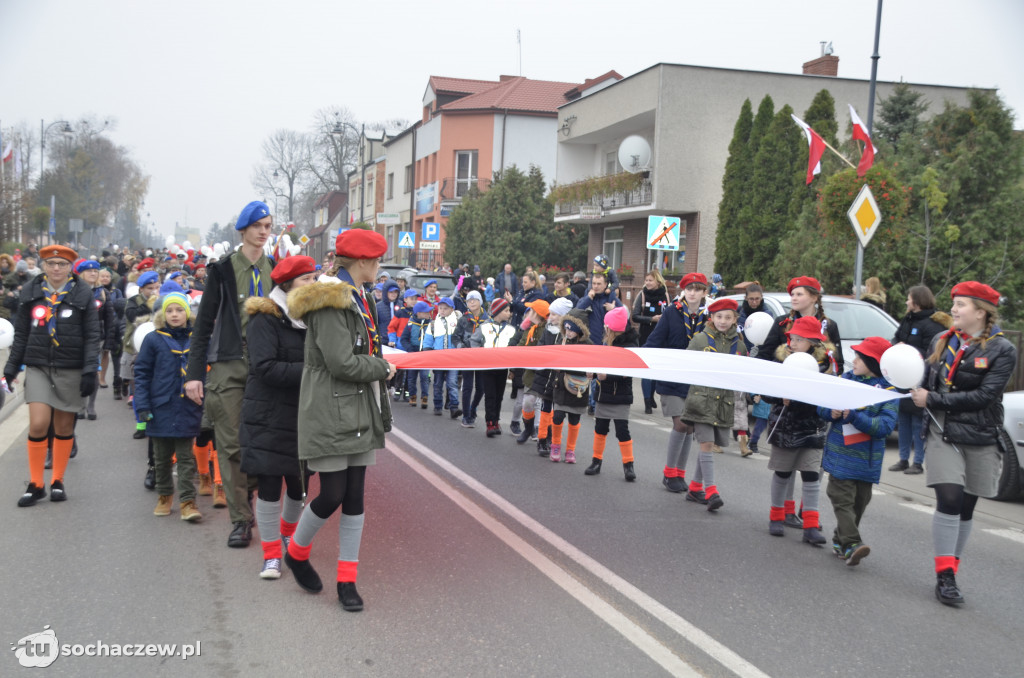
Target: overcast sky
x,y
196,85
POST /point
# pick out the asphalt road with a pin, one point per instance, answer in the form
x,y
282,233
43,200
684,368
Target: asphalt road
x,y
480,558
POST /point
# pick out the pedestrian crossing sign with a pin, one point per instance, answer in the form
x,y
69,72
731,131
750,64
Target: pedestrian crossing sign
x,y
406,239
663,233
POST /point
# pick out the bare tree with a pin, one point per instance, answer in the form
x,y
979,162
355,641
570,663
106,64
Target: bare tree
x,y
285,165
335,149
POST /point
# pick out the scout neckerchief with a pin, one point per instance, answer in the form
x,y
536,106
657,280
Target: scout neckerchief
x,y
956,346
371,326
255,284
714,349
53,299
180,350
693,322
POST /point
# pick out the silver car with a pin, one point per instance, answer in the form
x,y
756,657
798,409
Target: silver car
x,y
1011,480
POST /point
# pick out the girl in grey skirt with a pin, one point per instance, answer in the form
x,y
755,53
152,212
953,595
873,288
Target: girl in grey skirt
x,y
615,396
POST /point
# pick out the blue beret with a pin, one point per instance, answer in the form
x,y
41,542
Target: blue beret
x,y
171,286
410,293
174,275
421,307
148,278
430,282
251,213
87,265
447,300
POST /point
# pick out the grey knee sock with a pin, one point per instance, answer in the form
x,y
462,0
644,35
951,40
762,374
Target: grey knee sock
x,y
779,490
684,451
706,466
517,410
350,534
790,487
292,509
675,447
267,514
811,494
945,533
309,524
961,538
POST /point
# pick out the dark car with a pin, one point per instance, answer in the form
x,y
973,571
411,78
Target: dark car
x,y
445,282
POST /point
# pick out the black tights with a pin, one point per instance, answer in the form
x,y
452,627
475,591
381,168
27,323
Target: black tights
x,y
806,476
269,487
952,500
559,416
340,488
602,426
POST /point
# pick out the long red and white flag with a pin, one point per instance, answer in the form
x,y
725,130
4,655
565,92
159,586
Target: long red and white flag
x,y
817,149
860,133
718,370
8,152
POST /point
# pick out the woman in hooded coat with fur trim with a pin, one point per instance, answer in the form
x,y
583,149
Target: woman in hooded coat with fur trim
x,y
344,409
797,434
270,409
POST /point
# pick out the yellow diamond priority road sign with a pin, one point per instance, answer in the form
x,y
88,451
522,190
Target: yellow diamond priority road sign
x,y
864,215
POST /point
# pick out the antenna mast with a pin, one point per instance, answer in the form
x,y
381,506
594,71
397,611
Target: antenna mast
x,y
519,45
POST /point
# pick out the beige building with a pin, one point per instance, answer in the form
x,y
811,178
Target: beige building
x,y
686,114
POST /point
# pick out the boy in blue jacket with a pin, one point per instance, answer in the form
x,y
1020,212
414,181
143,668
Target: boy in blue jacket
x,y
172,420
854,449
416,337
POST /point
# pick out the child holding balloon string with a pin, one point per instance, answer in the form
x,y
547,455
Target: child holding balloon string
x,y
797,434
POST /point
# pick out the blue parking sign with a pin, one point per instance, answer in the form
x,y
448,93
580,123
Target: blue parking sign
x,y
431,230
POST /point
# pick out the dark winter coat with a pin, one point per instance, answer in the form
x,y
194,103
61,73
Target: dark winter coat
x,y
159,385
614,389
269,435
78,330
671,332
537,380
521,300
704,404
648,304
777,337
467,327
118,303
798,424
557,391
595,310
974,402
108,319
918,329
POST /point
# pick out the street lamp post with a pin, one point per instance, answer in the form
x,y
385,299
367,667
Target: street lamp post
x,y
43,131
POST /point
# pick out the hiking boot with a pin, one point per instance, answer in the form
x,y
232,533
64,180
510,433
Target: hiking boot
x,y
696,496
57,492
570,456
117,388
163,505
717,449
271,569
914,470
544,447
412,400
189,512
32,495
349,597
220,500
813,536
139,434
594,468
776,528
946,589
901,465
526,432
649,405
515,428
794,521
556,452
149,482
241,535
205,485
674,484
745,450
423,402
305,576
753,448
856,553
715,502
456,413
628,472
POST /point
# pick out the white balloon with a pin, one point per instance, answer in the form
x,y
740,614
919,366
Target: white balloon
x,y
130,290
218,250
168,241
6,333
173,249
140,333
757,326
186,245
902,366
206,250
801,361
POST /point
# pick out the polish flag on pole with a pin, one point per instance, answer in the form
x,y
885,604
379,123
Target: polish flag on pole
x,y
817,149
8,152
860,132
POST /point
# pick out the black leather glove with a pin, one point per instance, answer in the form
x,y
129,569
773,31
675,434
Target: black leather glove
x,y
145,415
88,384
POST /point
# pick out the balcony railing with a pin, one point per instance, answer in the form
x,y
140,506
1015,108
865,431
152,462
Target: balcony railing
x,y
454,188
599,194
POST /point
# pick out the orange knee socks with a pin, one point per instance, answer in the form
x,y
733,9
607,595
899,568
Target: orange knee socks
x,y
36,460
527,416
599,439
626,448
556,434
61,455
574,434
202,458
216,464
545,425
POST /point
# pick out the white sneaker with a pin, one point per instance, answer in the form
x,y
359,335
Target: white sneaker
x,y
271,569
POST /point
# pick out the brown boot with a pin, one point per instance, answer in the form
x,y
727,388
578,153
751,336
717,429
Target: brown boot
x,y
189,512
163,505
716,449
745,450
423,402
205,485
220,500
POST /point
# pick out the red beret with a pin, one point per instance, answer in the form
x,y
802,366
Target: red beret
x,y
873,347
804,281
146,263
360,243
291,268
975,290
691,278
58,252
723,305
807,327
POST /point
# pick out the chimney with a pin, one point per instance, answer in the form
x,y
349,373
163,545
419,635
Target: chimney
x,y
827,64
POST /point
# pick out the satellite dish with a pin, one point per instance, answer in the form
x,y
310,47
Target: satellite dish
x,y
635,154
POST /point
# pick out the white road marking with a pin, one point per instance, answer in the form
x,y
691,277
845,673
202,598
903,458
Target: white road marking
x,y
876,492
918,507
645,422
668,660
13,428
1014,535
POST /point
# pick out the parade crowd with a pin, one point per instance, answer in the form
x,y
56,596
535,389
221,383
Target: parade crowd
x,y
248,375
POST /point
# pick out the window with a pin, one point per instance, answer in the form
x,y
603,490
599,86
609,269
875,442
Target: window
x,y
465,172
613,245
369,190
611,163
408,178
391,185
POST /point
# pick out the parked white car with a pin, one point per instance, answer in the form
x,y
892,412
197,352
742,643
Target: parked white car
x,y
1011,480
